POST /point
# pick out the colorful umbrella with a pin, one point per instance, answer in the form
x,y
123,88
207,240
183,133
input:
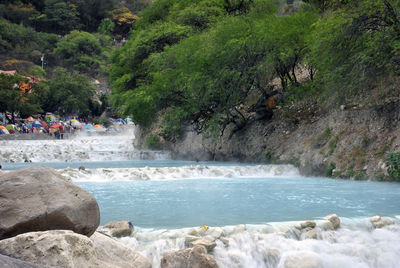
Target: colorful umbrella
x,y
97,125
30,118
44,124
89,126
2,127
74,120
36,125
56,126
120,120
10,127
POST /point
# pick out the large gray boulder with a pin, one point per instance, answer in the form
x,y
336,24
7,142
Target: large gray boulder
x,y
195,257
40,199
118,228
109,250
9,262
66,249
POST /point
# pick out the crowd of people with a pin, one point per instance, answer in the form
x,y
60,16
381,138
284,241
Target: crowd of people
x,y
53,126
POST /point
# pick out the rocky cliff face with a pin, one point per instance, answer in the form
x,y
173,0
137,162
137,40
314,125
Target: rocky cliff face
x,y
348,142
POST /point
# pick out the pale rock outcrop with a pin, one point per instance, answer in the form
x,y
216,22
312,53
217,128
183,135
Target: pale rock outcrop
x,y
40,199
8,262
334,219
115,253
379,222
325,225
307,224
208,242
216,232
300,259
118,228
66,249
310,234
195,257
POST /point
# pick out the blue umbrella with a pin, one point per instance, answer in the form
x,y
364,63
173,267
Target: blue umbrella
x,y
37,125
89,126
120,120
28,126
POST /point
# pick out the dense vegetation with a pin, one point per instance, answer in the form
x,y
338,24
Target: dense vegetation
x,y
72,40
214,63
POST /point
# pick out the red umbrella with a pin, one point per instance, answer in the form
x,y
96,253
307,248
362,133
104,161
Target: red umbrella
x,y
56,126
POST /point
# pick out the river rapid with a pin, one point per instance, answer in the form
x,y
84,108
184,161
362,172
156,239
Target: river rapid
x,y
254,212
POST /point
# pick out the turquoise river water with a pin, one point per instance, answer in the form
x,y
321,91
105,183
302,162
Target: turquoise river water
x,y
256,208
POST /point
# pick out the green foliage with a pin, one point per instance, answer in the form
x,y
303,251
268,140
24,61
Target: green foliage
x,y
67,93
153,142
106,26
80,51
12,99
58,17
329,169
172,123
357,44
393,164
201,62
19,40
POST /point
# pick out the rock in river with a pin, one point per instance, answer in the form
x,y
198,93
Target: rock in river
x,y
195,257
40,199
66,249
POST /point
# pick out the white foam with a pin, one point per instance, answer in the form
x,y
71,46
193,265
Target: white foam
x,y
355,244
83,146
184,172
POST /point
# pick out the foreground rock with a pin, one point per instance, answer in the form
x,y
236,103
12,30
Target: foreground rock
x,y
118,228
9,262
60,248
40,199
195,257
111,251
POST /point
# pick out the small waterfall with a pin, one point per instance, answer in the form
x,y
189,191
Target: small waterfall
x,y
183,172
83,146
355,245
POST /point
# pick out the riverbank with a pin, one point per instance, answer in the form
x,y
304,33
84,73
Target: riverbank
x,y
351,141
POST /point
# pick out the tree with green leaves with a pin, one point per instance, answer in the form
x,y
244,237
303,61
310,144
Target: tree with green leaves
x,y
67,93
14,100
80,51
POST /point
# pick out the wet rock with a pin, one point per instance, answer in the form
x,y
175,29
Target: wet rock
x,y
208,242
271,256
239,228
325,225
195,257
300,259
334,219
9,262
190,239
118,228
39,199
193,232
81,168
307,224
310,234
116,254
216,232
60,248
379,222
224,240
